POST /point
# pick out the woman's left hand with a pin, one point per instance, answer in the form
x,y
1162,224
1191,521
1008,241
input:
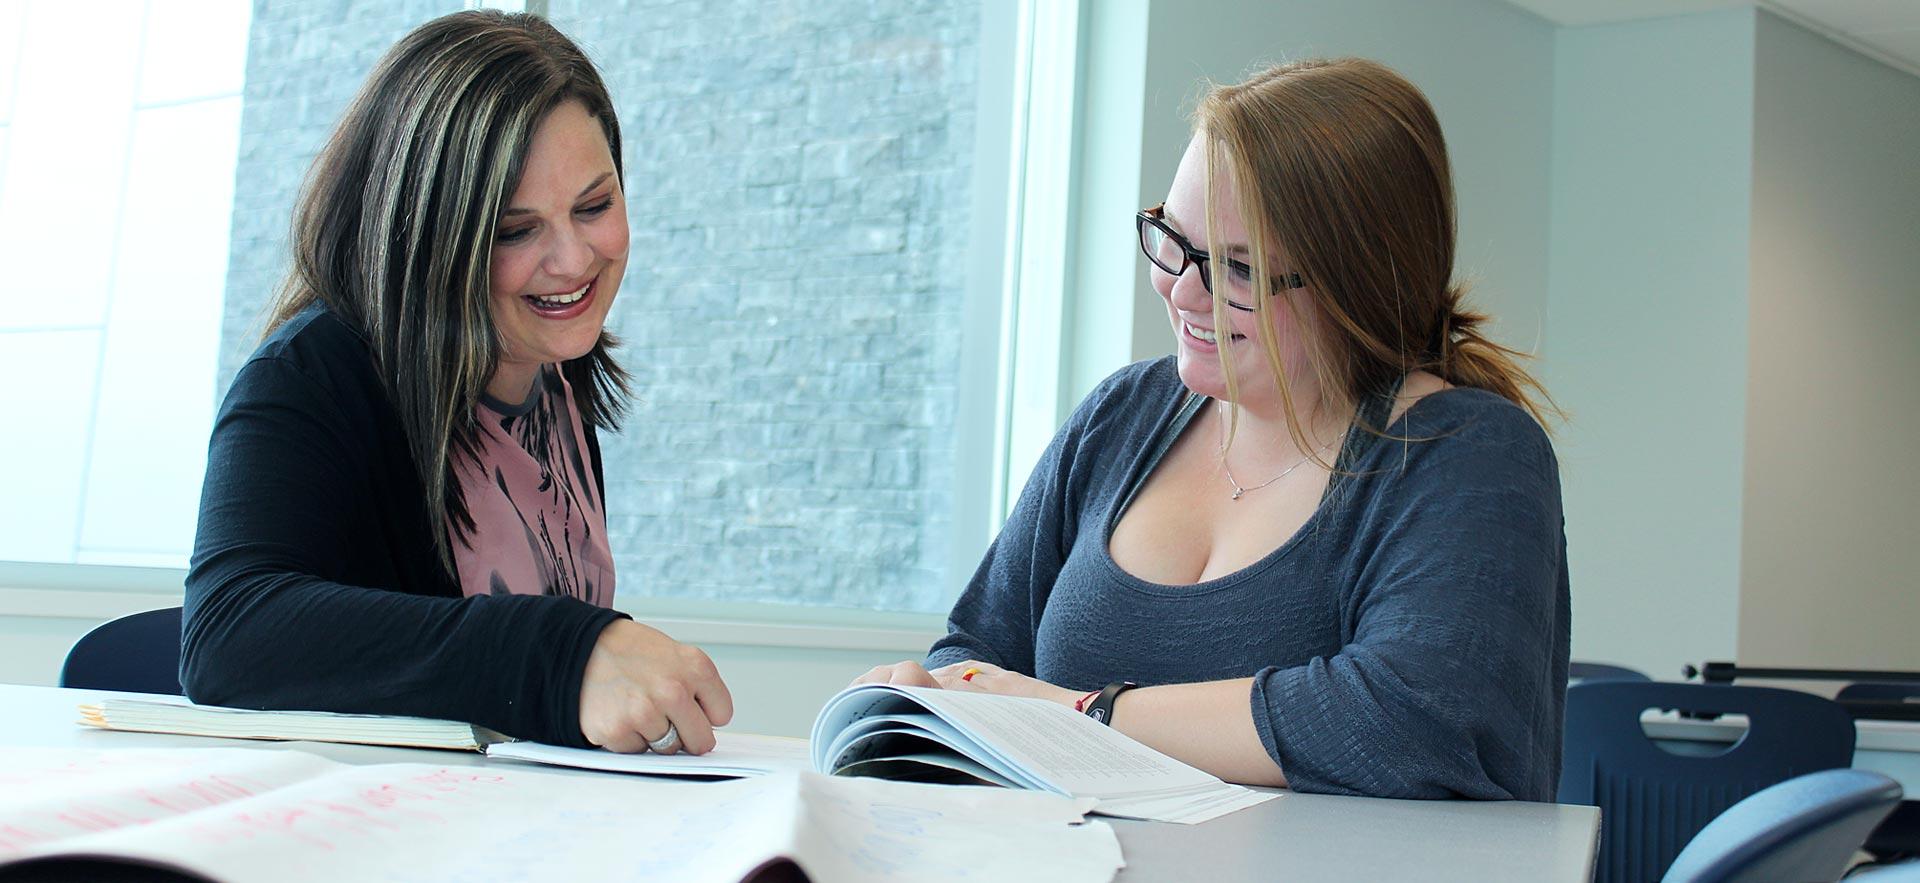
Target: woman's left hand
x,y
990,678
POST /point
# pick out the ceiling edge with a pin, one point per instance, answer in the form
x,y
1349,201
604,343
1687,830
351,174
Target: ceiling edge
x,y
1903,65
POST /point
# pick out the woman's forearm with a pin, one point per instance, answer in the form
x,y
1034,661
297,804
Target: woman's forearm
x,y
1207,725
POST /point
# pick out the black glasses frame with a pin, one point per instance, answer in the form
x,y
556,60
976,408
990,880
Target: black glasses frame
x,y
1156,218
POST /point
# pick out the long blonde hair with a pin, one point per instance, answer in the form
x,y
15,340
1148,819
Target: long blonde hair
x,y
1341,164
394,230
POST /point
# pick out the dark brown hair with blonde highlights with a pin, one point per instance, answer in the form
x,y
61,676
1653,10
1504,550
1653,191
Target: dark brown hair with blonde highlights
x,y
394,230
1341,165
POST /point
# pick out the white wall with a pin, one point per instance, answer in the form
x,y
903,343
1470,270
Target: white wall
x,y
1736,241
32,647
1831,514
1647,339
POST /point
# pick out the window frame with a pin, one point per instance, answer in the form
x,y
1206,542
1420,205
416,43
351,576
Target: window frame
x,y
1016,330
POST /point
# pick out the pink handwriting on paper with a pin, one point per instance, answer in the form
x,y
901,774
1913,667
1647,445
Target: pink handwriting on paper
x,y
63,796
202,792
14,838
225,796
350,810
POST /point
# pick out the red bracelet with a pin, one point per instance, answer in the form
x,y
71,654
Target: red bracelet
x,y
1080,704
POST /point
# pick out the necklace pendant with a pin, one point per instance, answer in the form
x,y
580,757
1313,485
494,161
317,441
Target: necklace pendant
x,y
1237,492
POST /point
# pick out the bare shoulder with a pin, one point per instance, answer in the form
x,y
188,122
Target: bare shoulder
x,y
1418,385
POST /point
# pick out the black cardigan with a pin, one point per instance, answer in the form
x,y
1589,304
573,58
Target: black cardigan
x,y
315,584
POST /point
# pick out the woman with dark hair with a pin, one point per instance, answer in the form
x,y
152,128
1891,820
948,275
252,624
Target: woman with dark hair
x,y
1324,539
403,511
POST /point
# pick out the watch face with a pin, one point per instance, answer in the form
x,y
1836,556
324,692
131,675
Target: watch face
x,y
1098,714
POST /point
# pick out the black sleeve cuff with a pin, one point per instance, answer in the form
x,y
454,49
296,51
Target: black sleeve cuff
x,y
562,724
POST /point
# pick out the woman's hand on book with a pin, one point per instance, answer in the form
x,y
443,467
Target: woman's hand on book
x,y
905,673
639,682
986,678
989,678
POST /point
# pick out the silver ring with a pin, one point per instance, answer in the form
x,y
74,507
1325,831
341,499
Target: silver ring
x,y
668,742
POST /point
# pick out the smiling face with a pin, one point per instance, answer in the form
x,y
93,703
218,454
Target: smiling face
x,y
559,251
1201,341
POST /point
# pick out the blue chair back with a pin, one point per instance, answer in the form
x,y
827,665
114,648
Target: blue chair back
x,y
1578,671
138,653
1881,691
1652,802
1805,828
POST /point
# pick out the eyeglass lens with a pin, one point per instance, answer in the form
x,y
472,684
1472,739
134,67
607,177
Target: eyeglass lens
x,y
1168,251
1173,254
1166,254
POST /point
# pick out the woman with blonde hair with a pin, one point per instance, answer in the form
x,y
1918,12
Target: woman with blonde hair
x,y
404,505
1320,546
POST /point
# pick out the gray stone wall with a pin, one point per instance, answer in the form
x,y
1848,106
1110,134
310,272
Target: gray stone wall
x,y
305,60
797,178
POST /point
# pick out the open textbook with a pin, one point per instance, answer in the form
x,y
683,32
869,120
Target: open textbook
x,y
927,735
872,730
232,815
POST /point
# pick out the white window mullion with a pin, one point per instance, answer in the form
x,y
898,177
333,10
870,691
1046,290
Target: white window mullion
x,y
1035,349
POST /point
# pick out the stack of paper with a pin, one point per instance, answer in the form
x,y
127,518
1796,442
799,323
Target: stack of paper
x,y
177,715
240,815
734,755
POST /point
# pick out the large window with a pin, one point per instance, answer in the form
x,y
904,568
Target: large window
x,y
116,194
812,311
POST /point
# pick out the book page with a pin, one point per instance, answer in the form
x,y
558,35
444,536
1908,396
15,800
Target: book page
x,y
873,829
1064,748
1067,751
733,755
267,814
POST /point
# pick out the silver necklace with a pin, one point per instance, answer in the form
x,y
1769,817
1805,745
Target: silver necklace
x,y
1239,491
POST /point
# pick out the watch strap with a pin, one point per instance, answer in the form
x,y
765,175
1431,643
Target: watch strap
x,y
1101,708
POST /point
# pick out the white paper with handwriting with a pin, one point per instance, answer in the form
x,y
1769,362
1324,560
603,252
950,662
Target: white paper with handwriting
x,y
733,755
240,815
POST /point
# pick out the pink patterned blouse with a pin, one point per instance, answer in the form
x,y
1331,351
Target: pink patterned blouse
x,y
540,524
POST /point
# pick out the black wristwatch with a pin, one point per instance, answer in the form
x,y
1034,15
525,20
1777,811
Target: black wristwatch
x,y
1101,709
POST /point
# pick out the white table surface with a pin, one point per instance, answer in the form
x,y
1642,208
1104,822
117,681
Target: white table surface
x,y
1298,837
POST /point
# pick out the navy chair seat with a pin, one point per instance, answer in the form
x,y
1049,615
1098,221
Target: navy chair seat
x,y
138,653
1805,828
1652,802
